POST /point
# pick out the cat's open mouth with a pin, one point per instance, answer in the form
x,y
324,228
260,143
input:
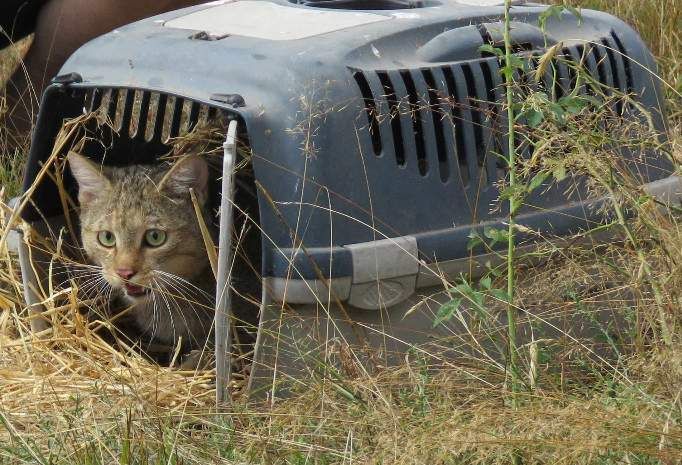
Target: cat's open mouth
x,y
135,291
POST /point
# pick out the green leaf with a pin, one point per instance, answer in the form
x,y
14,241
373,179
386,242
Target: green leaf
x,y
486,283
573,104
496,272
446,311
500,294
555,11
512,191
537,181
552,11
559,172
496,235
533,117
474,240
558,112
488,48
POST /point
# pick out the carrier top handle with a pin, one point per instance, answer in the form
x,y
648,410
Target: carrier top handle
x,y
223,309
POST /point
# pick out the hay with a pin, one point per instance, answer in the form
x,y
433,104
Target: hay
x,y
75,362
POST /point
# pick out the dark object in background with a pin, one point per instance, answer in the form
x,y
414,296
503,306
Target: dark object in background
x,y
18,19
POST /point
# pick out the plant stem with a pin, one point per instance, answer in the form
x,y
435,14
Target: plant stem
x,y
511,311
666,332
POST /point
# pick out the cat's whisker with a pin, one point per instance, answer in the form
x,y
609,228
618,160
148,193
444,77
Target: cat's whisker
x,y
156,314
170,313
155,311
182,315
61,261
93,283
184,281
72,273
192,307
180,294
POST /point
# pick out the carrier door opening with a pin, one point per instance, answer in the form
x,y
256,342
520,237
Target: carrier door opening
x,y
119,131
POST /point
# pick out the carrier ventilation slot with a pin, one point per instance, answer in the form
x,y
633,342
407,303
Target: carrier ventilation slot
x,y
474,105
394,114
470,98
415,114
458,122
603,67
370,110
148,116
516,47
467,98
435,101
625,58
494,89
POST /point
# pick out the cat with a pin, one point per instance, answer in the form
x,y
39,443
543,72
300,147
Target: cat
x,y
139,229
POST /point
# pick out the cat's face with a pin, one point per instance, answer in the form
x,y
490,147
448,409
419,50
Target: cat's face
x,y
139,224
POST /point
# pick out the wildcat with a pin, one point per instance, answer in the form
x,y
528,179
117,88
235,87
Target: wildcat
x,y
140,231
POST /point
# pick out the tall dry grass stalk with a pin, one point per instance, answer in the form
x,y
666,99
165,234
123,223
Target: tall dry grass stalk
x,y
69,397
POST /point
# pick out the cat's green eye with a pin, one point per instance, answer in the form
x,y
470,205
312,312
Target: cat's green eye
x,y
155,237
106,238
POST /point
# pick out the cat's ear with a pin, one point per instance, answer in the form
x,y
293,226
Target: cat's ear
x,y
91,180
188,173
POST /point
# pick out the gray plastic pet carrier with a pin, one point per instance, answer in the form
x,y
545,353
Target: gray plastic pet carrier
x,y
376,140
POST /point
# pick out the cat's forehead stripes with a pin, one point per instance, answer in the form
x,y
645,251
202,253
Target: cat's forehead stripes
x,y
133,204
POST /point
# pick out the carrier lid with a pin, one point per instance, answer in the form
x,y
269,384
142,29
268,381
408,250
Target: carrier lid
x,y
270,21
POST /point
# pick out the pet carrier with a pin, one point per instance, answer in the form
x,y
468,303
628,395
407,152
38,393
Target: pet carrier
x,y
375,139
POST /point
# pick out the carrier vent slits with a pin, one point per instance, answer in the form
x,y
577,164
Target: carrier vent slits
x,y
415,115
148,116
114,95
193,118
394,115
516,47
474,105
493,84
382,114
562,78
141,114
157,131
616,64
603,68
448,119
126,109
445,106
370,109
575,56
429,134
569,62
617,69
405,118
94,99
590,64
465,121
457,121
437,119
625,57
178,105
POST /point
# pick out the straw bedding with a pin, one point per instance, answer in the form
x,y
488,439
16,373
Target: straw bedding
x,y
76,362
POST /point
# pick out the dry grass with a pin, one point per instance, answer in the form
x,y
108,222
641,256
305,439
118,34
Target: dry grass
x,y
68,397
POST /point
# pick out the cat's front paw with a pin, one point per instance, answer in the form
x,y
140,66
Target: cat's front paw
x,y
196,360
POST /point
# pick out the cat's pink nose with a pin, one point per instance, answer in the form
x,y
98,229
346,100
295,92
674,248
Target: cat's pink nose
x,y
125,273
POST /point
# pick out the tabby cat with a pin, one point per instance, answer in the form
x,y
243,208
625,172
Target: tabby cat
x,y
140,231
